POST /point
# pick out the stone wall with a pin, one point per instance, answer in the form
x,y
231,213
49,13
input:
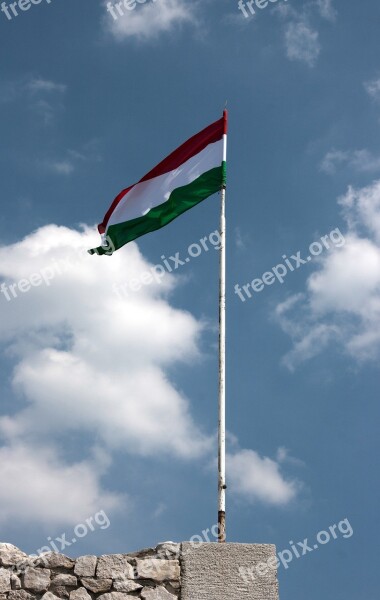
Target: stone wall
x,y
206,571
152,574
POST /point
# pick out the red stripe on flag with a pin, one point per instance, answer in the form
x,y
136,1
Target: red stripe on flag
x,y
103,226
197,143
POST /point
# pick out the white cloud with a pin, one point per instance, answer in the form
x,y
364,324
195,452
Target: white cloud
x,y
56,492
81,341
341,305
43,97
332,159
90,362
33,86
62,167
301,36
362,207
89,153
257,478
148,20
327,10
37,84
241,239
283,456
373,88
308,341
302,42
362,161
160,510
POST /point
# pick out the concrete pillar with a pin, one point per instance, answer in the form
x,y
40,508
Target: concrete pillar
x,y
228,572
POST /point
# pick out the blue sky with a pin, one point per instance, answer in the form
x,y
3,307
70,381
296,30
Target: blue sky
x,y
109,402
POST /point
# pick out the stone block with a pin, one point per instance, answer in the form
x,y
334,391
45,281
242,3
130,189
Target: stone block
x,y
10,555
80,594
85,566
97,586
5,581
114,566
157,569
19,595
157,594
54,560
37,580
15,582
126,585
115,596
219,571
64,579
50,596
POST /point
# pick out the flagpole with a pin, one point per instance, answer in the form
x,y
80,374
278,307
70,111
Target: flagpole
x,y
222,359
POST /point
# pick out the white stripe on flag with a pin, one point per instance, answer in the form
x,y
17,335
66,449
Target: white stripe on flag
x,y
149,194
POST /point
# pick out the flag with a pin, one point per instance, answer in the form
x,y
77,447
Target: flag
x,y
192,173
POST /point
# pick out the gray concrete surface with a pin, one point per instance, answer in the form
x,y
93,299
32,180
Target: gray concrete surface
x,y
228,572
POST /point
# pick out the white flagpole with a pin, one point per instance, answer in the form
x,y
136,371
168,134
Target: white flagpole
x,y
222,361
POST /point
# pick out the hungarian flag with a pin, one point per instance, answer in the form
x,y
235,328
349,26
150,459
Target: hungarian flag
x,y
192,173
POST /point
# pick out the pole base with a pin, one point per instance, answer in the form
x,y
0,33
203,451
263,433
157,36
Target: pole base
x,y
221,526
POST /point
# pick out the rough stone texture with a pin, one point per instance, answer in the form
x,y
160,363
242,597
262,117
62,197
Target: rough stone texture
x,y
37,580
85,566
157,594
168,572
143,553
173,587
114,566
126,585
157,569
15,582
64,579
54,560
97,586
19,595
115,596
49,596
214,572
169,550
5,581
61,591
10,555
80,594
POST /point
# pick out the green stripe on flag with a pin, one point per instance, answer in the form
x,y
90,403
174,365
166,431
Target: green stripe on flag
x,y
180,200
